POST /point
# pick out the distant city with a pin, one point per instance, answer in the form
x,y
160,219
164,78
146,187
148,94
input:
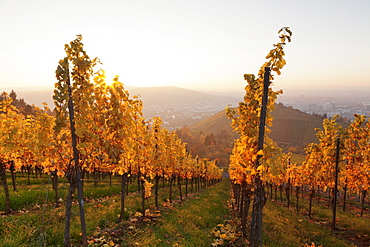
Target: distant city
x,y
179,115
342,103
179,107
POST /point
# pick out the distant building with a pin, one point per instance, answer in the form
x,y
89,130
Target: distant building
x,y
332,113
366,106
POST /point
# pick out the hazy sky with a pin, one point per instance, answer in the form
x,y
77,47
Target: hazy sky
x,y
196,44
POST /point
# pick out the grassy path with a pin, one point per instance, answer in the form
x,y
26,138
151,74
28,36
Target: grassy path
x,y
186,224
43,224
286,227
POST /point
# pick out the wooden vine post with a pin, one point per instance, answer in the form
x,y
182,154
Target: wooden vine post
x,y
76,161
336,183
259,193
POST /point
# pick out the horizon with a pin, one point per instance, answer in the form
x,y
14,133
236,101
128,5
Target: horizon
x,y
40,88
288,96
320,102
201,46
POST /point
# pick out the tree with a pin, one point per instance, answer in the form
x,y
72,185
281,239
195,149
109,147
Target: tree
x,y
327,147
74,91
356,154
246,120
158,159
12,125
309,171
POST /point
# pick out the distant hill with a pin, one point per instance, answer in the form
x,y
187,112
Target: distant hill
x,y
38,97
23,107
291,127
33,95
213,124
294,127
213,137
167,95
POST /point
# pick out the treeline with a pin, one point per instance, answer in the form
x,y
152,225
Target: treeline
x,y
20,104
214,146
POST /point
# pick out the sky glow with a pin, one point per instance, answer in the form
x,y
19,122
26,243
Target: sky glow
x,y
202,45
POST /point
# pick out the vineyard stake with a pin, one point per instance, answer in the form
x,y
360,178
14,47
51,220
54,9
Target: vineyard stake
x,y
336,183
75,157
259,197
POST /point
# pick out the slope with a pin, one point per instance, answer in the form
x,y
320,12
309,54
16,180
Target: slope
x,y
290,126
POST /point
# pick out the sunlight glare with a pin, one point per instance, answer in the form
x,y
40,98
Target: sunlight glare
x,y
109,78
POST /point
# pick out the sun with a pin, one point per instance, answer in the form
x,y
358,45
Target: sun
x,y
110,78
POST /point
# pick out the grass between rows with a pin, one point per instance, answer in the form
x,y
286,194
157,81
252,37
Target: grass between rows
x,y
186,224
286,227
41,224
40,191
295,228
